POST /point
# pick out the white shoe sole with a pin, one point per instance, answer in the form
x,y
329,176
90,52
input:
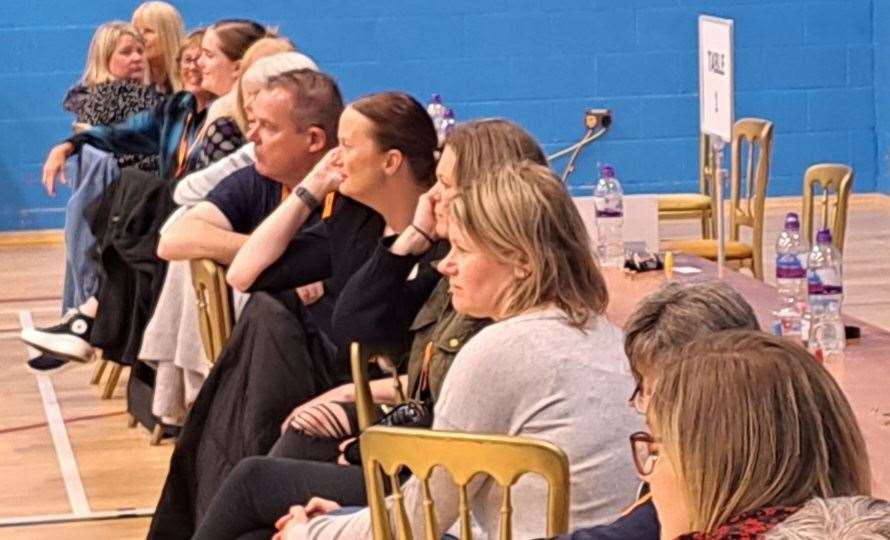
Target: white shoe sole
x,y
62,346
64,367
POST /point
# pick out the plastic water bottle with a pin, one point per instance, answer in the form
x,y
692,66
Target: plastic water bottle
x,y
791,277
436,109
825,288
608,197
448,123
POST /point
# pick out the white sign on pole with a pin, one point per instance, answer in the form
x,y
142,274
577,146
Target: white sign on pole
x,y
715,61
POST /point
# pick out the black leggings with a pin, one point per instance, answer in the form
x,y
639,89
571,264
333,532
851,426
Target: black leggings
x,y
262,489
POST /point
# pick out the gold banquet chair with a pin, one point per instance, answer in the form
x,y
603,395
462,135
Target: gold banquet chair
x,y
359,358
694,205
746,208
215,314
828,177
385,450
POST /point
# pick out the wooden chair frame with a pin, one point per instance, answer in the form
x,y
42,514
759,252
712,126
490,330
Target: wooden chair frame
x,y
670,206
747,209
387,450
215,313
829,177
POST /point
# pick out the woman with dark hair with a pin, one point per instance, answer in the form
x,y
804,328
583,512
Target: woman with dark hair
x,y
277,356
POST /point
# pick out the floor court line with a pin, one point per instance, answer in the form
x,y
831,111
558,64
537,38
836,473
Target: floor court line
x,y
50,519
77,496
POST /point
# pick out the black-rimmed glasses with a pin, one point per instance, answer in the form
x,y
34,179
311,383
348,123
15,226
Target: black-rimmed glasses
x,y
644,455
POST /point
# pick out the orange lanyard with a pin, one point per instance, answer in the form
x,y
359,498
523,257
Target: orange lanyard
x,y
183,151
424,381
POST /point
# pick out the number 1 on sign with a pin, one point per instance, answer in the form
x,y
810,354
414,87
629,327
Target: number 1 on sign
x,y
716,107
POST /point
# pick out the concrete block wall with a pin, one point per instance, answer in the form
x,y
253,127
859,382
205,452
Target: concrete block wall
x,y
810,66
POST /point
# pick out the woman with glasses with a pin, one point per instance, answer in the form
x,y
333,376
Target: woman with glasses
x,y
520,256
750,437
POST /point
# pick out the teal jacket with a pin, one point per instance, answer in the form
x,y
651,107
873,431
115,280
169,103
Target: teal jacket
x,y
156,131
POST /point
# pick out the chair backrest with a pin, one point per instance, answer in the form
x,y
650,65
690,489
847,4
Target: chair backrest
x,y
706,179
215,315
505,459
829,177
359,357
748,197
705,164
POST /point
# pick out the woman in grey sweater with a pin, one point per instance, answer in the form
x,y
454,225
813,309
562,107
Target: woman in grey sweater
x,y
550,367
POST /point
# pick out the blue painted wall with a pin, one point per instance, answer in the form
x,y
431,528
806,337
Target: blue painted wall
x,y
818,69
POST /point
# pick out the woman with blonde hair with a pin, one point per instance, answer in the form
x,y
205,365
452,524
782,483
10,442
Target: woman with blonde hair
x,y
780,441
169,130
113,87
520,256
160,25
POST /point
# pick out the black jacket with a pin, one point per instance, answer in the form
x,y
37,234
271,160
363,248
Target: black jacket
x,y
275,360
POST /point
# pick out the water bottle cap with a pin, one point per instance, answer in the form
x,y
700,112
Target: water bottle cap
x,y
449,113
437,98
607,171
823,236
792,222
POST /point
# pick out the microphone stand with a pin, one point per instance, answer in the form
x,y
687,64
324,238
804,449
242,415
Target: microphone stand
x,y
597,122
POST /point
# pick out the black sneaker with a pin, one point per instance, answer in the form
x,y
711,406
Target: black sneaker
x,y
47,364
68,340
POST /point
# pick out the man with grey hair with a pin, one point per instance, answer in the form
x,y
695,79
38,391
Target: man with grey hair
x,y
670,317
294,123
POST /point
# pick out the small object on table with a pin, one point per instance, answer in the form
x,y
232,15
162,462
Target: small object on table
x,y
639,259
852,332
669,264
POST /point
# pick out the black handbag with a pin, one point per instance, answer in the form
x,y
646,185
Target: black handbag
x,y
410,414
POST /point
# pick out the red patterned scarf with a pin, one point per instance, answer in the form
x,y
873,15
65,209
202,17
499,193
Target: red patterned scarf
x,y
747,526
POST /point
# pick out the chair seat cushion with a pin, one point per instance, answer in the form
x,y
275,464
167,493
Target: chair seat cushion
x,y
683,202
708,248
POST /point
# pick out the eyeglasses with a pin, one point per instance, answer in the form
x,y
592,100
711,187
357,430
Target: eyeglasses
x,y
638,400
186,60
644,455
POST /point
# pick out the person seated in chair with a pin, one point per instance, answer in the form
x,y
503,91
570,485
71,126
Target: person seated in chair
x,y
550,366
127,218
750,437
380,304
294,125
279,355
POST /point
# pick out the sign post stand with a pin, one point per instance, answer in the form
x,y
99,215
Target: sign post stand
x,y
716,103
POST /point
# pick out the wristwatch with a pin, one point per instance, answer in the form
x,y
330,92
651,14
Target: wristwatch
x,y
307,197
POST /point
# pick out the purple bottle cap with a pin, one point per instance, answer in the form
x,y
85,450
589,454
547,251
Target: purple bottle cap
x,y
823,236
449,113
437,98
607,171
792,222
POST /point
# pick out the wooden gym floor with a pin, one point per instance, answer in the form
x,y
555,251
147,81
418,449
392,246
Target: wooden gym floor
x,y
67,453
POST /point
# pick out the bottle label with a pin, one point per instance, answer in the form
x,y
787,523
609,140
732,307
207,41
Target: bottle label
x,y
610,206
824,281
788,267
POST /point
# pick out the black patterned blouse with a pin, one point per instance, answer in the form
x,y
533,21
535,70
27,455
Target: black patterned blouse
x,y
112,102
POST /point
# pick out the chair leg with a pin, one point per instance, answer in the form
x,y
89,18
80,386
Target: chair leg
x,y
157,434
111,383
99,371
